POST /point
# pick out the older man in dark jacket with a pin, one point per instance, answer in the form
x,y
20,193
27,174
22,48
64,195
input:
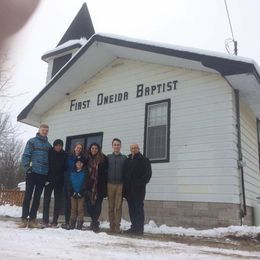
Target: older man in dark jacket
x,y
137,173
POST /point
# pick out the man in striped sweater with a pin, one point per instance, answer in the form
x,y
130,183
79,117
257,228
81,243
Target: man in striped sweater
x,y
35,163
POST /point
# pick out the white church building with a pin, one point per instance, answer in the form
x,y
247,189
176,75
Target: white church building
x,y
194,114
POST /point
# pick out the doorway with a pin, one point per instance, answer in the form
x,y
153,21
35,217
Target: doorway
x,y
86,140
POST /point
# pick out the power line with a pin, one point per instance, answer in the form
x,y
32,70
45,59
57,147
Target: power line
x,y
227,42
229,20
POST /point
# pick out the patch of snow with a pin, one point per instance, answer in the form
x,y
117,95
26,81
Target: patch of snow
x,y
13,211
237,231
82,41
181,48
74,244
21,186
151,227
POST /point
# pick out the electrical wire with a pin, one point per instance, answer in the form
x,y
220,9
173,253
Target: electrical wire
x,y
229,20
228,41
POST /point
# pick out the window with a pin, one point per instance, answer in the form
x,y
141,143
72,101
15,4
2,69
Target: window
x,y
59,62
258,137
157,129
86,140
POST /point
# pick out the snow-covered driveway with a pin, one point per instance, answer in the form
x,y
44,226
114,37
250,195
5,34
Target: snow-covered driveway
x,y
61,244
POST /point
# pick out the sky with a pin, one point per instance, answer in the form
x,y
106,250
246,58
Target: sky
x,y
199,24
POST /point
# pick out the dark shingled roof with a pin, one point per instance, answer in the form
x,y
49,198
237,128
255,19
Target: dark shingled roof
x,y
80,27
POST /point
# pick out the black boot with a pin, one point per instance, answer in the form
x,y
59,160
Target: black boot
x,y
96,228
79,224
65,226
90,226
72,224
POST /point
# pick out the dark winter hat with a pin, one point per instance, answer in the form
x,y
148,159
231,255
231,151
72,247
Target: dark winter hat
x,y
80,159
58,142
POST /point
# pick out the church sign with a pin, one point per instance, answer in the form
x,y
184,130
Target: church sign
x,y
141,91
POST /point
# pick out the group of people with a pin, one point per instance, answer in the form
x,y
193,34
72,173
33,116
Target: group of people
x,y
82,180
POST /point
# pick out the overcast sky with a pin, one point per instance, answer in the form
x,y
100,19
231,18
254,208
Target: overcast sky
x,y
194,23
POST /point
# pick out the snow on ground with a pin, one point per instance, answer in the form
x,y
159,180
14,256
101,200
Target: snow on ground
x,y
236,231
74,244
62,244
13,211
151,227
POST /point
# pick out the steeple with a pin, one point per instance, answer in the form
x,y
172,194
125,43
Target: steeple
x,y
80,27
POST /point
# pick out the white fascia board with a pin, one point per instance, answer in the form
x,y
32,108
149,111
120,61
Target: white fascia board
x,y
183,48
88,64
156,58
249,90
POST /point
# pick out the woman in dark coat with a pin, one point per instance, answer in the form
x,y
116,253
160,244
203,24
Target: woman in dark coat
x,y
96,183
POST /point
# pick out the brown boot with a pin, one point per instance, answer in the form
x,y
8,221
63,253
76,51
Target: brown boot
x,y
117,229
23,223
34,224
112,228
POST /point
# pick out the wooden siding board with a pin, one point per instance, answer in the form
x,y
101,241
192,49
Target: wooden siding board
x,y
250,154
202,131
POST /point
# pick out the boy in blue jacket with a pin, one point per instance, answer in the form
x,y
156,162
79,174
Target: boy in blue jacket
x,y
77,191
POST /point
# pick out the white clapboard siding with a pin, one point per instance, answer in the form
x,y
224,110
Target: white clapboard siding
x,y
198,197
250,154
203,153
194,180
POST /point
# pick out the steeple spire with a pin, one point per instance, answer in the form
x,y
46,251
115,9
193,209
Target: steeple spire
x,y
80,27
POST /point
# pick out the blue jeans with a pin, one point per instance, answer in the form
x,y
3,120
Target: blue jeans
x,y
94,211
34,183
136,213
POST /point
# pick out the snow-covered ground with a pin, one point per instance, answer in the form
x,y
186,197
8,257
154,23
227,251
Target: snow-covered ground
x,y
74,244
13,211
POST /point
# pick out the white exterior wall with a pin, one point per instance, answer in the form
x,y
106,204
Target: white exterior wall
x,y
203,156
250,154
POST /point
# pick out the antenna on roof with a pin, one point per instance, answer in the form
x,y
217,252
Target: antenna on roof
x,y
229,41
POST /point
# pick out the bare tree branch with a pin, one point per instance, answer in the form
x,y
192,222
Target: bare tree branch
x,y
10,145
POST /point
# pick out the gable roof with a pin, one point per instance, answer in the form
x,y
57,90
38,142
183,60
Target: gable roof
x,y
101,49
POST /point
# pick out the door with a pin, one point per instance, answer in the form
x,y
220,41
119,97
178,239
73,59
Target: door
x,y
86,140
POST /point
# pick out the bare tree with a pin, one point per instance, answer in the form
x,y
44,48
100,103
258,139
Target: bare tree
x,y
5,76
6,129
10,173
10,145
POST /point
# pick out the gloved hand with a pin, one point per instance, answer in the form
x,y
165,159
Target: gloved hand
x,y
75,196
47,183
